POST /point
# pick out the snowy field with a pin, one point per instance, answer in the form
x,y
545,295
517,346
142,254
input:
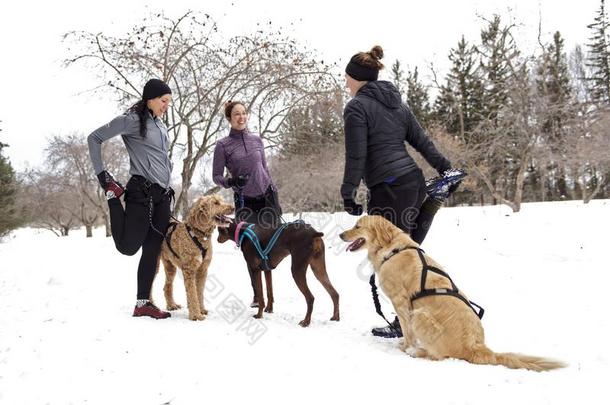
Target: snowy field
x,y
542,275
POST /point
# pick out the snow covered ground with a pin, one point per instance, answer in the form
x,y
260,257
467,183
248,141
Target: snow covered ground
x,y
67,335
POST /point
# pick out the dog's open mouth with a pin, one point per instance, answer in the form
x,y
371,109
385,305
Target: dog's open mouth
x,y
223,220
355,245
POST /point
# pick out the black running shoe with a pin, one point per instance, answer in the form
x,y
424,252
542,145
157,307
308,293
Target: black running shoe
x,y
392,331
442,186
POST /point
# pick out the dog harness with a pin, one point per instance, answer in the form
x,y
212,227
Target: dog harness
x,y
168,237
423,291
253,237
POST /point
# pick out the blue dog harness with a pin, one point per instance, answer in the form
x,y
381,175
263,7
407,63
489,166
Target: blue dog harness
x,y
253,237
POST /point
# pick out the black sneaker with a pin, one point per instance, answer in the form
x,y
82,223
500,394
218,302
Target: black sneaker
x,y
392,331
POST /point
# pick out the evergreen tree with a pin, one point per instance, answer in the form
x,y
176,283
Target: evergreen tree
x,y
460,99
599,57
557,112
418,98
498,52
8,215
554,87
398,77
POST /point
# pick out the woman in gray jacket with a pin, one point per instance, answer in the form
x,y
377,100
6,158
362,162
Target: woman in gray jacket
x,y
143,221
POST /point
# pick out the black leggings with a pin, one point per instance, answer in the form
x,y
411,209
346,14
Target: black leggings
x,y
263,210
131,226
404,203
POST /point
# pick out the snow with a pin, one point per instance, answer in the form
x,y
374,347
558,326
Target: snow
x,y
67,335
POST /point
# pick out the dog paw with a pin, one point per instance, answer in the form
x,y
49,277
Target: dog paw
x,y
269,310
204,311
335,318
304,323
173,307
416,352
257,316
197,317
404,345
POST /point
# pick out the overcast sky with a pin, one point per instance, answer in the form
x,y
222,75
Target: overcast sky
x,y
40,98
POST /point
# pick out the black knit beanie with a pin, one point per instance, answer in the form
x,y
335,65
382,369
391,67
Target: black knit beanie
x,y
155,88
360,72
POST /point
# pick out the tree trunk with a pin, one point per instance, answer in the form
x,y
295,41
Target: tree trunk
x,y
519,182
542,183
107,224
89,229
587,198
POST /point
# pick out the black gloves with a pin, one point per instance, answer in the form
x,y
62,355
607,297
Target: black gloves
x,y
112,188
105,179
238,182
351,207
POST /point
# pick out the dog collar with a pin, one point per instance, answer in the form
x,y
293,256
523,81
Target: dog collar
x,y
237,229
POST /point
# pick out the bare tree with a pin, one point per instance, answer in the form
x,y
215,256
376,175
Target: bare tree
x,y
48,202
266,70
67,157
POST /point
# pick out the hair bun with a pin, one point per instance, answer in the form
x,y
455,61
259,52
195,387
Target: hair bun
x,y
376,52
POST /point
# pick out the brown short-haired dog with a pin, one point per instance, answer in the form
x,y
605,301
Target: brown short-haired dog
x,y
188,245
298,240
438,325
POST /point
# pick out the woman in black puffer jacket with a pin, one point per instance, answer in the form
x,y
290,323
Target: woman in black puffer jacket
x,y
377,125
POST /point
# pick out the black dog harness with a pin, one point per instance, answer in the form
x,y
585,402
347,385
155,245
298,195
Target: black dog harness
x,y
423,291
168,237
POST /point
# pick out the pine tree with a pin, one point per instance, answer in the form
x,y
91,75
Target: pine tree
x,y
599,57
497,52
8,215
418,98
398,77
554,86
556,111
460,99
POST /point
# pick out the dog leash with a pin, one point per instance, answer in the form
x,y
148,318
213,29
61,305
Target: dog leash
x,y
376,299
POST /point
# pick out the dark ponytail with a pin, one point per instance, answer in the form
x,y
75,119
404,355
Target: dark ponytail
x,y
141,109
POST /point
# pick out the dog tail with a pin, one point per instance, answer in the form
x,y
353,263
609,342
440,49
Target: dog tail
x,y
483,355
318,244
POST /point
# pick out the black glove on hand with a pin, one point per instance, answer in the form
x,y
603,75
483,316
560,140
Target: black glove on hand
x,y
239,182
104,178
351,207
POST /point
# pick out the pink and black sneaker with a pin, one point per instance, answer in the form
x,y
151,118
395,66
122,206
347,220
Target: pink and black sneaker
x,y
150,309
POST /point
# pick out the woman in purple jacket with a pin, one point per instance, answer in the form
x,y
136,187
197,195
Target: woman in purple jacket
x,y
243,154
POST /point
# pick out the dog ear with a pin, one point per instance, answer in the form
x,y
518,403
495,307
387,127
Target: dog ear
x,y
203,212
198,215
383,230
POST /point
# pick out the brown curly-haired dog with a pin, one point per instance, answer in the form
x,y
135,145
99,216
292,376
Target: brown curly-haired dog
x,y
188,245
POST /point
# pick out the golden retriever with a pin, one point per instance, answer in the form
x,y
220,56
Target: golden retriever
x,y
180,249
436,326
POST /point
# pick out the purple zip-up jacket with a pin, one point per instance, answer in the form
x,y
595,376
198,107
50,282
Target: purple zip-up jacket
x,y
242,153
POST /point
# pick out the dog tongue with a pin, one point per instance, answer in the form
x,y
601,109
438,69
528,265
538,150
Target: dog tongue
x,y
352,245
